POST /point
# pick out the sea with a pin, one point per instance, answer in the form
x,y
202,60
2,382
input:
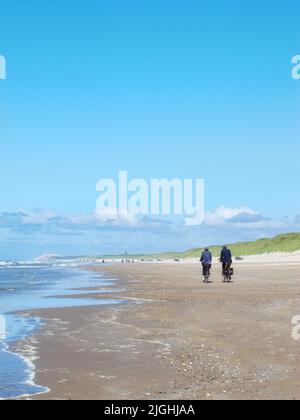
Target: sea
x,y
36,285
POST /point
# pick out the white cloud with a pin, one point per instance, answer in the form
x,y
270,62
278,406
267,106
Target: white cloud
x,y
40,219
234,218
41,231
224,215
247,219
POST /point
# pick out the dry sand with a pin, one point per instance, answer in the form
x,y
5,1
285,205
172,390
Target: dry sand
x,y
177,338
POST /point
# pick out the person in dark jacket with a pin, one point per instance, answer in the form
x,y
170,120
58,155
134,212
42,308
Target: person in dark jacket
x,y
226,258
206,260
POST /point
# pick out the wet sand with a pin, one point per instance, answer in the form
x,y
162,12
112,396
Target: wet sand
x,y
175,337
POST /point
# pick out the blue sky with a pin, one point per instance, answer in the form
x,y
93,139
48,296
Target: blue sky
x,y
163,89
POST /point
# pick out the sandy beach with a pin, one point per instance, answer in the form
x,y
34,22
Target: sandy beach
x,y
174,337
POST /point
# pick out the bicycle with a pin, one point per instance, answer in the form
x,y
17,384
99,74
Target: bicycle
x,y
206,273
227,273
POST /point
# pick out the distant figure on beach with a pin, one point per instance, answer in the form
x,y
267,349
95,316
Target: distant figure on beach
x,y
206,260
226,258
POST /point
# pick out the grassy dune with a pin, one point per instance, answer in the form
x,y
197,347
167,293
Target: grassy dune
x,y
282,243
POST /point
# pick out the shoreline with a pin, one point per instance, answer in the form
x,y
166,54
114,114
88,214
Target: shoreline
x,y
31,373
18,350
175,338
31,369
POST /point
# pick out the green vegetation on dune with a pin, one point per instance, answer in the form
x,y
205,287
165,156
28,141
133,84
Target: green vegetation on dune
x,y
283,243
